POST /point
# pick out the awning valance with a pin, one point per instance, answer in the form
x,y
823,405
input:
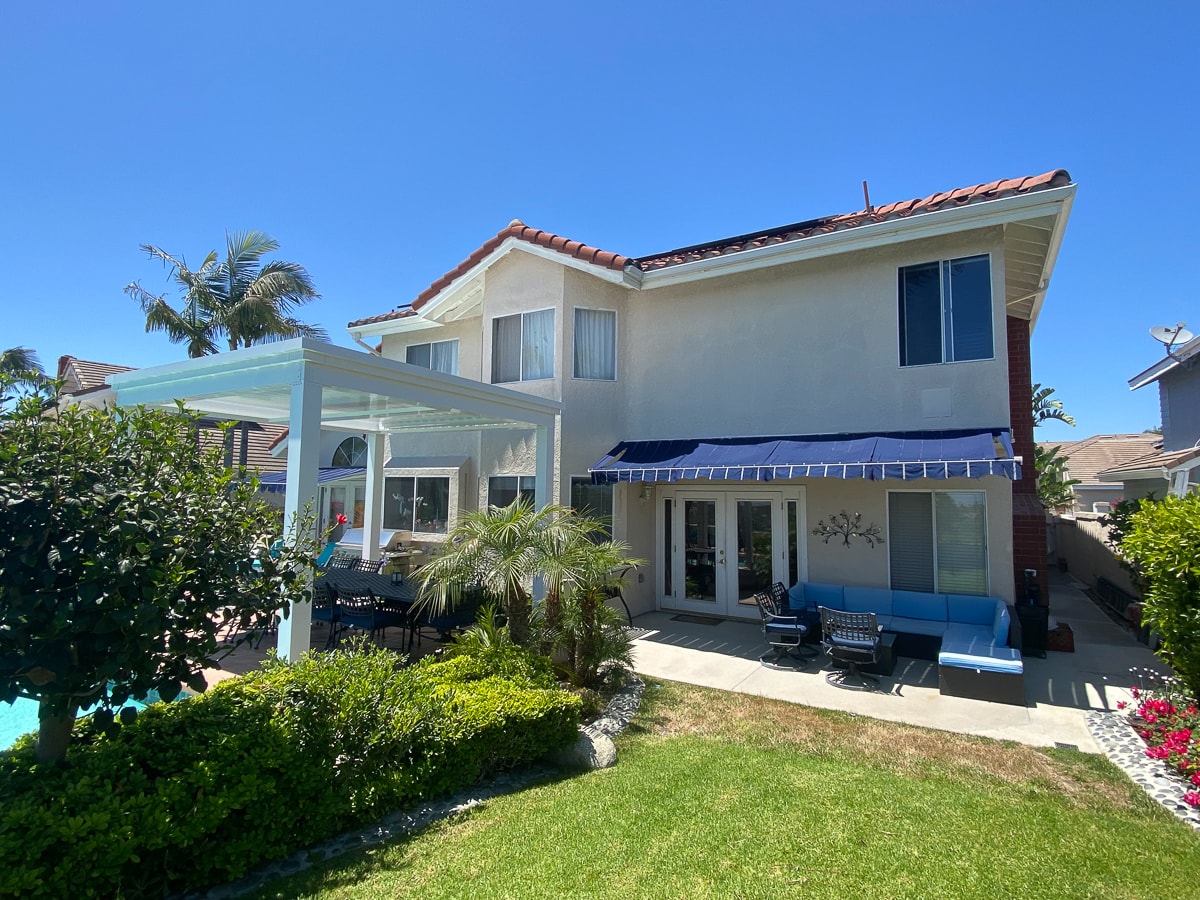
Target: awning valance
x,y
901,455
276,482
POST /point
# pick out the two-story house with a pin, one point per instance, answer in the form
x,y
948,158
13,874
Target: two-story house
x,y
719,401
1174,468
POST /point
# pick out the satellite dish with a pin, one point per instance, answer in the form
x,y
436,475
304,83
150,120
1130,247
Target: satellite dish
x,y
1171,334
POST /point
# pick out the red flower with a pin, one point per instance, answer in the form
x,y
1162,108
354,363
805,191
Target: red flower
x,y
1121,704
341,519
1192,798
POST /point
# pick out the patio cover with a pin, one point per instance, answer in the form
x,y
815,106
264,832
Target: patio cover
x,y
311,386
902,455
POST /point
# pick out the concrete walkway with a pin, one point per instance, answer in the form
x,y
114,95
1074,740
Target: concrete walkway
x,y
1059,689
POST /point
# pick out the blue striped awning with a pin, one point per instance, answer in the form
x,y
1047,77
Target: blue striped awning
x,y
276,482
902,455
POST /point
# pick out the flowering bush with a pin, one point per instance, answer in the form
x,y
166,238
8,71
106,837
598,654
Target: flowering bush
x,y
1169,722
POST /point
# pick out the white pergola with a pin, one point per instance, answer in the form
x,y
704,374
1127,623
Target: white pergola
x,y
311,386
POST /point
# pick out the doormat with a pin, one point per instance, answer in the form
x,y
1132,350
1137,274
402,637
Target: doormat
x,y
1061,639
696,620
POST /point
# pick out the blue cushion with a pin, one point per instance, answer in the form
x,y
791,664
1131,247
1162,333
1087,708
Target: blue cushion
x,y
1000,625
970,610
829,595
919,605
876,600
781,628
851,643
978,653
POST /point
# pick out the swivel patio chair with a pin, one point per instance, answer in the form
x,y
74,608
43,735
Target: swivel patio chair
x,y
784,633
852,640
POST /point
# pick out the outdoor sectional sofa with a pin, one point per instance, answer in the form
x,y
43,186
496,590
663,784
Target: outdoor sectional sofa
x,y
967,635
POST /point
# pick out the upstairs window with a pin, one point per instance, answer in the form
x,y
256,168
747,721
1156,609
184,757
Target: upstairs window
x,y
440,356
523,347
946,311
595,344
504,489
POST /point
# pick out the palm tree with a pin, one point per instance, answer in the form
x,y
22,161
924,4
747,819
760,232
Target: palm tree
x,y
1044,408
239,300
20,362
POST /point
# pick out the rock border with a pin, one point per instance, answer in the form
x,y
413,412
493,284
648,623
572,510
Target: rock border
x,y
616,718
1124,746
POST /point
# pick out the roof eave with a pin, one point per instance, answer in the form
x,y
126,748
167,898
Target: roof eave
x,y
1054,201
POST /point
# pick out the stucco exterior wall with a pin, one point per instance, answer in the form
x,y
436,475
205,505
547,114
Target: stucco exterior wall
x,y
806,348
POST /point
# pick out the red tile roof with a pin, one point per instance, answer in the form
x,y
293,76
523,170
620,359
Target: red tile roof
x,y
522,232
979,193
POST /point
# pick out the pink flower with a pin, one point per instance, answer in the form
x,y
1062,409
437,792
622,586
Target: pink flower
x,y
1192,798
1121,704
1196,778
1136,693
341,519
1157,752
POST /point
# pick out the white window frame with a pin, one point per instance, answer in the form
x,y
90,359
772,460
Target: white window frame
x,y
575,343
361,454
553,342
430,345
946,312
530,480
937,589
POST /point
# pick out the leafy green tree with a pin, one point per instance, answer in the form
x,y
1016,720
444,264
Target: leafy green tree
x,y
1163,542
1044,408
239,299
20,362
125,559
1055,490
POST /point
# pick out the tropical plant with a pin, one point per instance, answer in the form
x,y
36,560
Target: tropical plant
x,y
1055,490
1163,542
20,362
240,299
125,559
1044,408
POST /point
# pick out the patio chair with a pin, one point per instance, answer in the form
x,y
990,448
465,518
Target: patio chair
x,y
370,566
852,640
461,614
784,634
325,609
341,560
371,614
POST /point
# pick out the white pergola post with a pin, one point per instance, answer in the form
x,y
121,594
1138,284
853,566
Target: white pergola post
x,y
304,450
373,511
544,458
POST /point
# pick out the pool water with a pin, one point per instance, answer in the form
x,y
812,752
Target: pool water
x,y
21,717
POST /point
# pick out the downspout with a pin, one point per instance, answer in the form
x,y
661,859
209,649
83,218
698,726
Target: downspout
x,y
374,351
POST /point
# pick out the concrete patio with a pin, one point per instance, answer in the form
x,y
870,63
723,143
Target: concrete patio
x,y
1059,689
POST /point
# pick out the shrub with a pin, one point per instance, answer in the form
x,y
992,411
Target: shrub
x,y
1163,541
196,792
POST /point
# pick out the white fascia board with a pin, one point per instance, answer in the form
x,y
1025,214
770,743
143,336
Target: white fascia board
x,y
445,298
1056,237
863,237
1165,365
1132,475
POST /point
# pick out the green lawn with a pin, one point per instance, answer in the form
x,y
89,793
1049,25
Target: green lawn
x,y
722,795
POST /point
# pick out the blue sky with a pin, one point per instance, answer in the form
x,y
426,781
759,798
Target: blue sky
x,y
382,143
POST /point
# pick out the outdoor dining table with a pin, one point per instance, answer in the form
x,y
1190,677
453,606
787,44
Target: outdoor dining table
x,y
347,581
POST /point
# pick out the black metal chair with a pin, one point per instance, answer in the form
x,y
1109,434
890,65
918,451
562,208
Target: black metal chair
x,y
371,614
455,616
325,609
784,633
370,566
851,639
341,560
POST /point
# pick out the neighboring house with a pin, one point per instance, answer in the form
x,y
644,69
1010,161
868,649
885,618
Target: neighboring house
x,y
720,400
1086,459
1175,467
85,383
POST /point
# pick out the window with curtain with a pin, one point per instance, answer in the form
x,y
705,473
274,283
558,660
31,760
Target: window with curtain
x,y
440,356
523,347
595,344
504,489
937,541
946,311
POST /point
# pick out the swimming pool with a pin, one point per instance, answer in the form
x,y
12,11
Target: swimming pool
x,y
21,718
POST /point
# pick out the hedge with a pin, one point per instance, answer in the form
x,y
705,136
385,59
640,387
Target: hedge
x,y
197,792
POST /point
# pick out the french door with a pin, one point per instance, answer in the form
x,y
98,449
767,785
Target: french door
x,y
719,547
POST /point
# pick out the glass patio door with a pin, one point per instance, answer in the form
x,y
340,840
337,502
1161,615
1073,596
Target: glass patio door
x,y
721,549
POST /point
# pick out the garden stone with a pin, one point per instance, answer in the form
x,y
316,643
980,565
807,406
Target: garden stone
x,y
592,750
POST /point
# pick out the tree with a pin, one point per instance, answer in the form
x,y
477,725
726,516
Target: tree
x,y
1163,542
503,549
1055,490
1044,408
20,362
239,300
125,559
